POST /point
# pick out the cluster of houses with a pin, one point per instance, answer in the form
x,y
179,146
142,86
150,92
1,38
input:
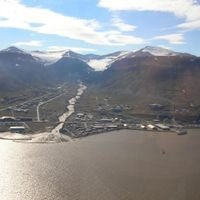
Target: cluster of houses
x,y
82,124
14,125
149,126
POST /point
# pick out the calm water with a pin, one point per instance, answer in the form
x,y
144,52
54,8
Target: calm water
x,y
119,165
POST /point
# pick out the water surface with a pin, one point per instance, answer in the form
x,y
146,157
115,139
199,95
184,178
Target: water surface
x,y
119,165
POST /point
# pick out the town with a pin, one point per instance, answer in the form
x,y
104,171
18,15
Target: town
x,y
41,114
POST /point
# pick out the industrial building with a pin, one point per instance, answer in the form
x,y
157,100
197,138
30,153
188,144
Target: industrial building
x,y
163,127
17,129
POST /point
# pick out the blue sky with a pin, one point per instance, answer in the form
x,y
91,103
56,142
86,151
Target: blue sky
x,y
100,26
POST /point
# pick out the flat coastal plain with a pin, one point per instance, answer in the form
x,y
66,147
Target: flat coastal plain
x,y
122,165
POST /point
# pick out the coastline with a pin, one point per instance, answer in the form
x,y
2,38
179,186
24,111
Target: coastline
x,y
49,137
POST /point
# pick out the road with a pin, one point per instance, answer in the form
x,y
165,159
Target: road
x,y
49,137
45,102
21,104
31,100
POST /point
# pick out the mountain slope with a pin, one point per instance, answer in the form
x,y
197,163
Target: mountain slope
x,y
150,75
173,81
19,69
68,68
98,63
50,57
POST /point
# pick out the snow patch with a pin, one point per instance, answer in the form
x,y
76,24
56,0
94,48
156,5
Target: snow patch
x,y
100,65
105,62
158,51
48,57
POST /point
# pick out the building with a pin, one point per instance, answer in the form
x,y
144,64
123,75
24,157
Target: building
x,y
156,107
80,115
163,127
140,126
151,127
105,120
17,129
7,119
21,110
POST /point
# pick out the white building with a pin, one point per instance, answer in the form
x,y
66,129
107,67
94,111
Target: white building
x,y
17,129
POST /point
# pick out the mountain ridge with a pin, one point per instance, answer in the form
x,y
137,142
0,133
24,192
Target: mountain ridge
x,y
97,62
147,76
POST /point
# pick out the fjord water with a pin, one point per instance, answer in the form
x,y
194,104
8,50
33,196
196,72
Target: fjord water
x,y
119,165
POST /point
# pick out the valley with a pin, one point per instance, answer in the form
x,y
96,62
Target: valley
x,y
99,100
125,90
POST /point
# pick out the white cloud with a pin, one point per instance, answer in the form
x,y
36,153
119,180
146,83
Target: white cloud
x,y
121,25
32,43
183,8
187,9
14,14
176,38
190,25
76,49
117,38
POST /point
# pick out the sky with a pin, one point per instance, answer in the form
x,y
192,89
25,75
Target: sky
x,y
100,26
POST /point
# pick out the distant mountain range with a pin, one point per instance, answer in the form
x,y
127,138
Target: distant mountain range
x,y
20,69
149,75
102,62
96,62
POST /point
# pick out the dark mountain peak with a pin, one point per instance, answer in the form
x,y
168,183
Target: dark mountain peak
x,y
73,54
13,49
70,53
70,61
70,68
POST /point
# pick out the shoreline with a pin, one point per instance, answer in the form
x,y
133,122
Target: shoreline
x,y
54,136
48,138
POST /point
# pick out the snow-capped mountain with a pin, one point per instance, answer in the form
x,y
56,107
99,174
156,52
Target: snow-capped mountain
x,y
155,51
73,54
18,69
151,72
159,51
50,57
97,62
104,62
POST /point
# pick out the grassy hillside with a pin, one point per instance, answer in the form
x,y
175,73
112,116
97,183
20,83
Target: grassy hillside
x,y
170,81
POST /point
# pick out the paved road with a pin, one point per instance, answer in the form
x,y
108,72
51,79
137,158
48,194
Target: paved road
x,y
45,102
